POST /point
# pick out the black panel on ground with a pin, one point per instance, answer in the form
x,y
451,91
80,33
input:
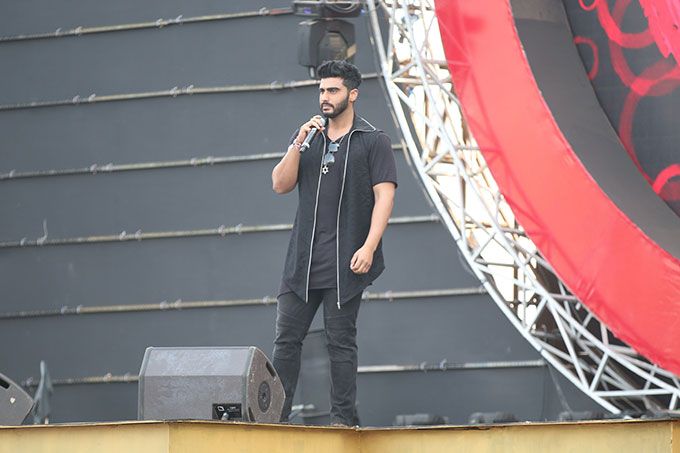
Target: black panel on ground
x,y
95,402
407,393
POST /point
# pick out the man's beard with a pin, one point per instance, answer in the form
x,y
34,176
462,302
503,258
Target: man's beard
x,y
338,109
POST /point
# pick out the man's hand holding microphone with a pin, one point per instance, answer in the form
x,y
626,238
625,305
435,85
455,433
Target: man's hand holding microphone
x,y
284,175
308,131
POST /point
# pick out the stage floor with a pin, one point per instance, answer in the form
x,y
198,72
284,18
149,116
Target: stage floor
x,y
204,436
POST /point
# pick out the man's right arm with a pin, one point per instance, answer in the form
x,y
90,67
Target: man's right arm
x,y
285,174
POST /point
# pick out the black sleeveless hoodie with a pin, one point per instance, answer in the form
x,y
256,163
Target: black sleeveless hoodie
x,y
354,215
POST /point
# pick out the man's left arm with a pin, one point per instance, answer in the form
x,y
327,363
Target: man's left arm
x,y
382,209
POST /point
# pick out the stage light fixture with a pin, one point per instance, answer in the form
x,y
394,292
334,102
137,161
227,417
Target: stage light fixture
x,y
325,39
327,8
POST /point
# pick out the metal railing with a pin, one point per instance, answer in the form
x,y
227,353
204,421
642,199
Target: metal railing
x,y
180,304
174,92
423,367
138,235
158,23
103,169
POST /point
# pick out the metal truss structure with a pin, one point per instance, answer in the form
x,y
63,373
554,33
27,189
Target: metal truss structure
x,y
456,179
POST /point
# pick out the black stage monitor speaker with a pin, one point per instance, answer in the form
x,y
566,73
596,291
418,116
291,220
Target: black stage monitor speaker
x,y
15,403
209,383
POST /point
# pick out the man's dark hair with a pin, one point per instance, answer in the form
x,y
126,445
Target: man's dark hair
x,y
350,75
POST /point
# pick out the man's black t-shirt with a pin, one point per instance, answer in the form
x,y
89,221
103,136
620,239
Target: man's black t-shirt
x,y
382,168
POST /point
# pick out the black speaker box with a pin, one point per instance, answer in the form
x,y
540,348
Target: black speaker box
x,y
209,383
15,403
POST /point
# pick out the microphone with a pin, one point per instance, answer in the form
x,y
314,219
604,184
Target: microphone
x,y
306,142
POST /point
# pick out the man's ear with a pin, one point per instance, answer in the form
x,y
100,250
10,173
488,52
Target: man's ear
x,y
353,94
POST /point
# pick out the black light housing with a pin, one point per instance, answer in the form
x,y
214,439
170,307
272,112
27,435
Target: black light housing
x,y
327,8
324,39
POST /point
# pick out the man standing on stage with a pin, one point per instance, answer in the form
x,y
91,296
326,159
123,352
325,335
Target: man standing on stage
x,y
346,182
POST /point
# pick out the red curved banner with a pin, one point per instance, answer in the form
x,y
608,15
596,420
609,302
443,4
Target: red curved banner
x,y
624,277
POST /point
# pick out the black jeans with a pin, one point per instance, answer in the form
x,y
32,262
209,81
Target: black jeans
x,y
293,318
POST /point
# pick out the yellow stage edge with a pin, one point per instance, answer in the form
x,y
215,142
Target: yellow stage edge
x,y
209,437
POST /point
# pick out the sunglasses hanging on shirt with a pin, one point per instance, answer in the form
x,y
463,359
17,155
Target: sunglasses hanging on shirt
x,y
328,157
